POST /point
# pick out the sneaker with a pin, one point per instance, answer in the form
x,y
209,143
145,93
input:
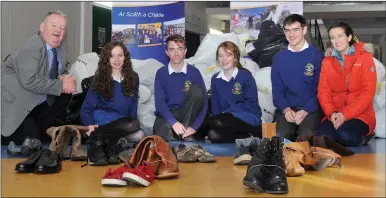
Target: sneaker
x,y
30,146
185,154
242,156
142,175
13,149
114,177
203,155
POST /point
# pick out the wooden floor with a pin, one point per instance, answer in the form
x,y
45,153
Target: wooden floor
x,y
362,175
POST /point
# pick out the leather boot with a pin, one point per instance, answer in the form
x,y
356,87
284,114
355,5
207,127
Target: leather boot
x,y
77,152
257,169
276,181
95,150
297,154
60,137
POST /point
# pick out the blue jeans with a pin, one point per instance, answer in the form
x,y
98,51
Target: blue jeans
x,y
350,133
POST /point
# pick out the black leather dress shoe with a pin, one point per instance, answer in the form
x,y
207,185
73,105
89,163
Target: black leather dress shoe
x,y
49,162
28,165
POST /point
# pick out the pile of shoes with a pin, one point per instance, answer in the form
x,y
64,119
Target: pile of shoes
x,y
29,147
43,161
152,158
244,150
193,153
266,170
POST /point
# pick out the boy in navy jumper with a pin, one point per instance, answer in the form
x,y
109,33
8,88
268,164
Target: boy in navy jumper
x,y
179,93
110,107
295,77
235,107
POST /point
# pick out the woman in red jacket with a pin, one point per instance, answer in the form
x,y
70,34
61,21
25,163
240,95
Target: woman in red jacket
x,y
346,89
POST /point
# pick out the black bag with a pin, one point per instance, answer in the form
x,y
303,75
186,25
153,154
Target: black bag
x,y
271,40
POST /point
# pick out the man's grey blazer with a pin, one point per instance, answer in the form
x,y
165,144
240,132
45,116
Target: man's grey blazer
x,y
25,81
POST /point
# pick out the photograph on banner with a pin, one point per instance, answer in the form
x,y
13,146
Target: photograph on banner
x,y
174,27
124,33
247,17
101,37
149,34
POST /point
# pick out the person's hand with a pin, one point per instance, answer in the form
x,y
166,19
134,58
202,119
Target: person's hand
x,y
334,117
189,131
340,120
91,128
300,116
179,128
69,84
289,115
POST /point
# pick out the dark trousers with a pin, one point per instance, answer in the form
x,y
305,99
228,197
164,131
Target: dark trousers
x,y
127,128
186,114
226,128
39,120
350,133
292,131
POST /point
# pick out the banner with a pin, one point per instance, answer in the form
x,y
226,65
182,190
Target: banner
x,y
144,27
247,17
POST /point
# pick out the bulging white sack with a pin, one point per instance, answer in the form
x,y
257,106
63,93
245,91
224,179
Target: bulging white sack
x,y
266,106
380,127
84,66
146,70
263,80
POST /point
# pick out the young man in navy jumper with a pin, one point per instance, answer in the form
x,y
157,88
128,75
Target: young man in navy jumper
x,y
179,92
295,77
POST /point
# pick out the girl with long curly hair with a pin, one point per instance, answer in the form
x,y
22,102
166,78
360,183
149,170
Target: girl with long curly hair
x,y
110,107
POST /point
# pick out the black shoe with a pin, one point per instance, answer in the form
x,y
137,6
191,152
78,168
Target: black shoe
x,y
112,155
13,150
95,151
257,169
190,138
30,146
276,182
49,162
28,165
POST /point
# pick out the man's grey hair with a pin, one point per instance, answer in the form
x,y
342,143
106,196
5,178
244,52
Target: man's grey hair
x,y
58,12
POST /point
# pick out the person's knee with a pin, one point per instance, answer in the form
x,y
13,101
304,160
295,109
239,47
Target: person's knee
x,y
217,123
214,136
348,139
197,92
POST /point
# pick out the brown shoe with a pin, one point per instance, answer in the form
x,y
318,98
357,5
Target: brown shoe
x,y
203,155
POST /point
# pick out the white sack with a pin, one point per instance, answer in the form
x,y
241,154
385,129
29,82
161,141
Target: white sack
x,y
266,106
380,127
251,65
84,66
146,70
206,52
145,115
144,94
263,80
380,68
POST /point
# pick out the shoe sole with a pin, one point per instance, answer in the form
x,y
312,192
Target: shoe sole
x,y
114,182
242,160
276,192
167,175
254,186
135,179
24,170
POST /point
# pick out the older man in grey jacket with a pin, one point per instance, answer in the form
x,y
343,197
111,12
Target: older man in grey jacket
x,y
35,83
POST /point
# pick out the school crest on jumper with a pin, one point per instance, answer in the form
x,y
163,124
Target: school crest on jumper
x,y
309,70
187,85
236,88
